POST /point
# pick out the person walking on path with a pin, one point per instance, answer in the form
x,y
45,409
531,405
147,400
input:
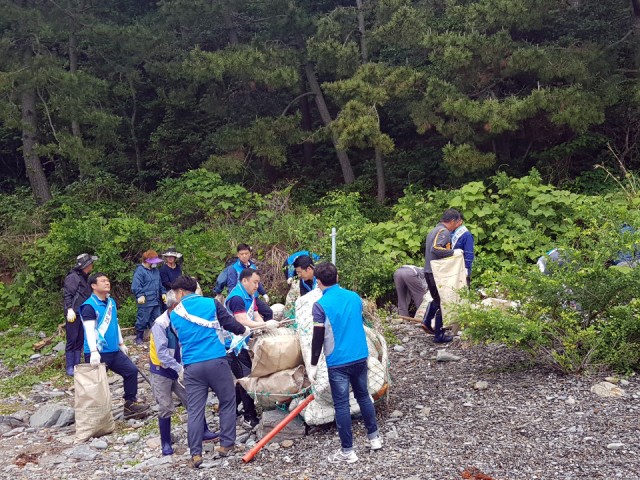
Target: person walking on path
x,y
438,245
171,270
410,285
149,293
200,323
338,328
103,342
166,372
75,291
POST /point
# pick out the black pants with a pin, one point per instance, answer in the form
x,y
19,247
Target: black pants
x,y
75,335
434,308
241,367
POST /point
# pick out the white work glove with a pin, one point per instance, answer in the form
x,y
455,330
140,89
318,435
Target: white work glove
x,y
71,315
123,348
180,370
219,297
265,297
247,331
311,373
466,272
271,324
141,299
95,358
289,280
458,252
164,298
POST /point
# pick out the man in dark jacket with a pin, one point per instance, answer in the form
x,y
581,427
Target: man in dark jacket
x,y
149,292
75,291
438,245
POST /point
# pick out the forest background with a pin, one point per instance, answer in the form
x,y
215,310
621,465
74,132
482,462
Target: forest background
x,y
126,125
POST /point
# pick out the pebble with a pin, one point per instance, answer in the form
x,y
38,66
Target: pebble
x,y
154,442
398,348
624,383
287,444
35,356
467,404
570,401
59,347
405,340
396,414
131,438
615,446
419,407
273,447
444,356
99,444
481,385
426,411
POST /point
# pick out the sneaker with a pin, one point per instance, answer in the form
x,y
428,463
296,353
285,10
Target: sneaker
x,y
250,423
341,457
427,329
375,443
442,338
135,410
196,461
224,451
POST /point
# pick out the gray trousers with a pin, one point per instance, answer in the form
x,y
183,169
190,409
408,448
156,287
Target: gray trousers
x,y
163,388
198,379
410,285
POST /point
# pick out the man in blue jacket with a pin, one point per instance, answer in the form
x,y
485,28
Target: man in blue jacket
x,y
339,329
103,342
149,292
233,274
202,324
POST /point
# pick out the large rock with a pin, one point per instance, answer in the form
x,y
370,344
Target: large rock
x,y
83,453
607,390
52,414
270,418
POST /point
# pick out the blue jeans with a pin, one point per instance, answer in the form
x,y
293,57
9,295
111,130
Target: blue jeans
x,y
339,379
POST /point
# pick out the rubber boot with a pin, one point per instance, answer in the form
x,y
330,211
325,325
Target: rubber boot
x,y
165,435
77,357
139,337
441,336
428,316
70,359
208,435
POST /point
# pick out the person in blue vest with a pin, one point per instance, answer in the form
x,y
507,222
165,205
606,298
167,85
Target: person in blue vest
x,y
304,269
75,291
288,266
202,324
149,292
103,342
233,273
166,370
338,328
241,303
462,239
171,269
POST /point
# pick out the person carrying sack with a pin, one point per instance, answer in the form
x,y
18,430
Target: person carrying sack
x,y
103,342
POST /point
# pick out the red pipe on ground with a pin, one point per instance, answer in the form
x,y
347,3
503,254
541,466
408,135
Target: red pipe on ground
x,y
269,436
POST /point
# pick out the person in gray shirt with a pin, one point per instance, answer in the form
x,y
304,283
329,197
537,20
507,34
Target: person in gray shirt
x,y
438,245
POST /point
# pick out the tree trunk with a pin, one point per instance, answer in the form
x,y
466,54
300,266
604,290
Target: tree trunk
x,y
73,68
35,172
230,27
307,125
132,129
343,158
382,189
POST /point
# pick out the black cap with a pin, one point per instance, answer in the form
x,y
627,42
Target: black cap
x,y
185,282
84,260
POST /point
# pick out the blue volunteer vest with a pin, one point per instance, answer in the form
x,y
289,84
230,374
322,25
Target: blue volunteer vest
x,y
249,308
111,335
199,343
344,337
238,267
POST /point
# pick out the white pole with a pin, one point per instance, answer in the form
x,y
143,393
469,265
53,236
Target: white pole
x,y
333,245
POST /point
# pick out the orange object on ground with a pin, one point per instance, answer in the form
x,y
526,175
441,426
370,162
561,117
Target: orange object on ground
x,y
267,438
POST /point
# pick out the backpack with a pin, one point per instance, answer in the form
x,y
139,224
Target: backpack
x,y
221,281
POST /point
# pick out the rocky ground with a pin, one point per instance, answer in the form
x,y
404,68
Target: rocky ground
x,y
487,415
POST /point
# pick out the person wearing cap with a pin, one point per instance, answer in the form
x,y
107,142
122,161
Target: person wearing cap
x,y
166,372
241,303
200,323
75,291
103,342
170,270
149,292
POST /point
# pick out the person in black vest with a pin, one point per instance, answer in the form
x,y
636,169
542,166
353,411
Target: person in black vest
x,y
75,291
